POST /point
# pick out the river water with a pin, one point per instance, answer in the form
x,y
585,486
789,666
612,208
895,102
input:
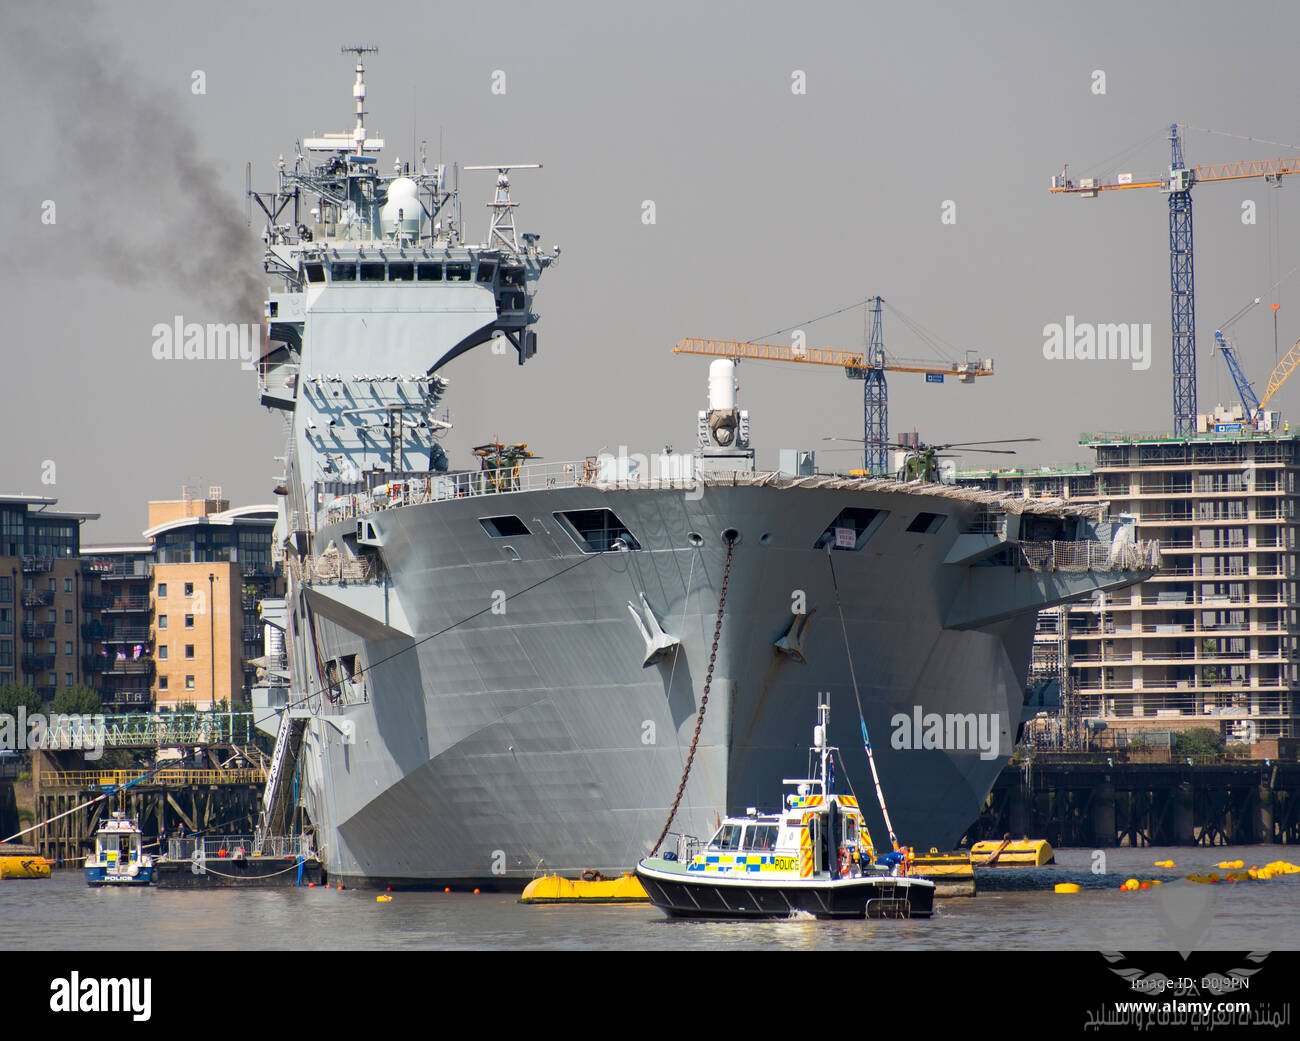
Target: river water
x,y
1016,910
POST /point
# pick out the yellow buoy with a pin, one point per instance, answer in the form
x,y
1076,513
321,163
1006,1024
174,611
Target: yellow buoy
x,y
552,889
1165,863
1067,887
383,898
1012,853
24,867
1229,865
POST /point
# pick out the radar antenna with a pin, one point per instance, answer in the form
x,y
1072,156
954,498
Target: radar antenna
x,y
502,231
359,93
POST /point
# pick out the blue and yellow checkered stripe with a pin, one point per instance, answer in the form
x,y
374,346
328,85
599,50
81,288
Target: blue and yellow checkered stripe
x,y
728,862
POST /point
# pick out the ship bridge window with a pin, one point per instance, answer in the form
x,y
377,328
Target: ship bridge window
x,y
761,838
315,272
486,271
429,272
372,271
457,272
512,300
727,837
401,271
512,276
504,527
927,523
343,271
851,529
596,531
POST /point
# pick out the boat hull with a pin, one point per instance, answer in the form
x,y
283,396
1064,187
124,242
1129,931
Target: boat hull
x,y
100,876
679,895
483,745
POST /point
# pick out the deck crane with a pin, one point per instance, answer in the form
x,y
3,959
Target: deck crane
x,y
869,366
1177,183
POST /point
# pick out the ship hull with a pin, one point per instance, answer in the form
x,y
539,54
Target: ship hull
x,y
506,722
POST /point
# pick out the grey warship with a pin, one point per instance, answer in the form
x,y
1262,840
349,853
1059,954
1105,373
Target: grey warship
x,y
495,670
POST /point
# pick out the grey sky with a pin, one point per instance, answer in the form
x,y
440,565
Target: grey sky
x,y
771,208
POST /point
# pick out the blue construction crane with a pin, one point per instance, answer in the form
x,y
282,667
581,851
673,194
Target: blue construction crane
x,y
1249,400
875,397
1182,291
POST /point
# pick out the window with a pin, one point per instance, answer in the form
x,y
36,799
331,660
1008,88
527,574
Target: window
x,y
401,272
596,531
189,621
512,276
315,272
67,616
68,681
457,272
67,646
67,585
162,682
372,271
927,523
343,272
428,272
761,838
54,647
727,837
162,590
189,682
162,621
162,652
189,588
851,528
504,527
486,271
189,651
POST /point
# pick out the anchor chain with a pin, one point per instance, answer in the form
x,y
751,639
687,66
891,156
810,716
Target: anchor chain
x,y
704,700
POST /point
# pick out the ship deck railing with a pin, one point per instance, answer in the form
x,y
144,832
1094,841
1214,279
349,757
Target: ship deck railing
x,y
1089,555
393,490
228,847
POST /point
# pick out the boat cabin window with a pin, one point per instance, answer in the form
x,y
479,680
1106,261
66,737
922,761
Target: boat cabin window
x,y
927,523
315,272
504,527
850,829
486,271
596,531
457,272
401,271
761,838
511,300
851,529
512,276
429,272
727,837
343,271
372,271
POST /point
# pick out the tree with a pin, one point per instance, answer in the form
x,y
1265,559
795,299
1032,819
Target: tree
x,y
76,701
12,695
1198,741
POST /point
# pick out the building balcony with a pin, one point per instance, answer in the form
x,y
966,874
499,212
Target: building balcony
x,y
94,601
92,631
38,565
127,699
130,667
96,662
115,570
126,604
38,597
37,630
128,634
38,662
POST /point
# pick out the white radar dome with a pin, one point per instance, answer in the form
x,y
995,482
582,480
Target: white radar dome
x,y
402,211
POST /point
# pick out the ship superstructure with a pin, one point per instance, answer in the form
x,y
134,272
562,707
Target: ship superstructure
x,y
494,669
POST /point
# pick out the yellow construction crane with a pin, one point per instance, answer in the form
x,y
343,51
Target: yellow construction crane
x,y
869,366
852,362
